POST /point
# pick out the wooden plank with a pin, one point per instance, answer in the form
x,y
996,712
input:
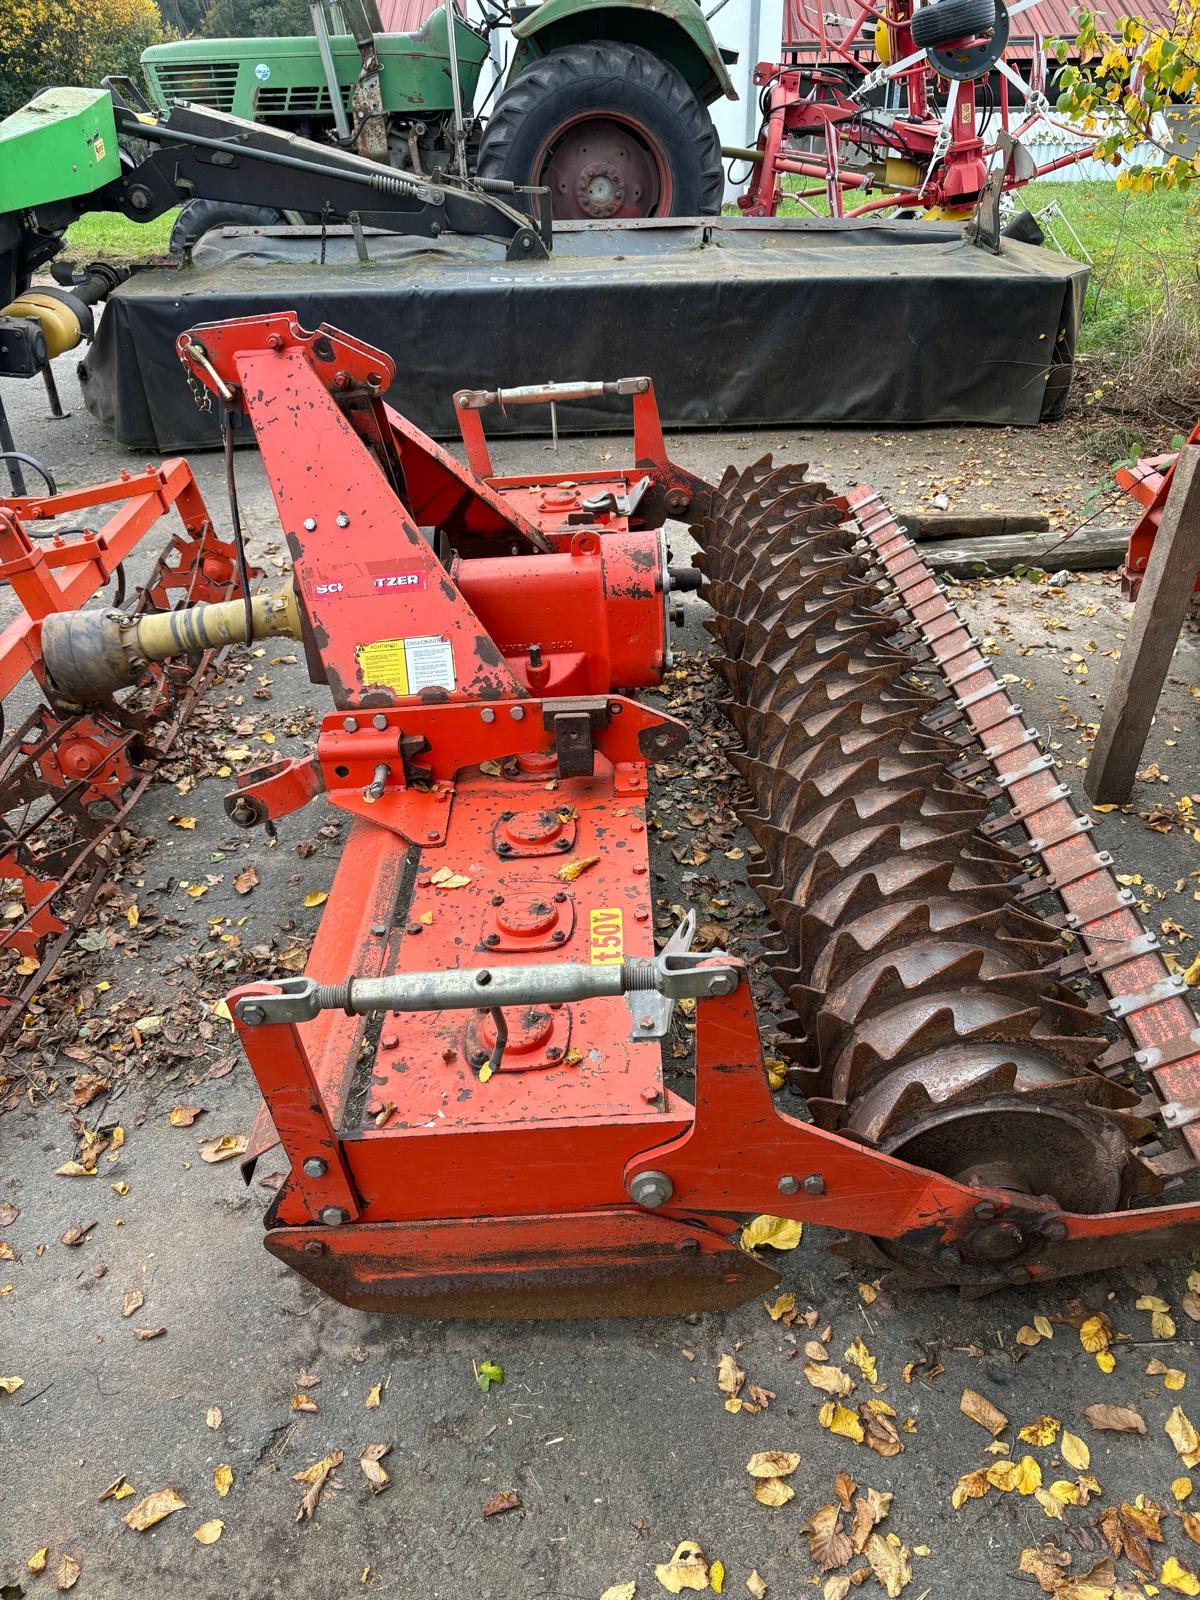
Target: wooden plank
x,y
1089,550
1154,630
924,526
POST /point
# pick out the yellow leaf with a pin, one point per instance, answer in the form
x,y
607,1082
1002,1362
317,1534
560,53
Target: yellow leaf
x,y
1183,1436
1093,1335
779,1232
1075,1452
1162,1325
619,1591
889,1563
972,1486
859,1356
37,1561
730,1376
687,1569
303,1402
1042,1324
1052,1506
868,1293
1029,1337
840,1419
785,1304
567,873
119,1188
1041,1431
131,916
1105,1360
830,1379
315,897
153,1509
1178,1577
196,891
374,1398
223,1147
716,1577
756,1585
773,1492
11,1385
223,1479
1066,1492
209,1532
772,1464
74,1169
187,823
1181,1488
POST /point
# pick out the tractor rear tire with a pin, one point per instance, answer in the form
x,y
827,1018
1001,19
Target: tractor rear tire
x,y
944,20
198,216
613,130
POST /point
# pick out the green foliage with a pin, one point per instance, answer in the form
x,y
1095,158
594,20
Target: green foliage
x,y
253,19
1124,83
45,44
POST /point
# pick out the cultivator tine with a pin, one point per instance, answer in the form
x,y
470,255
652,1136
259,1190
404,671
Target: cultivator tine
x,y
930,1016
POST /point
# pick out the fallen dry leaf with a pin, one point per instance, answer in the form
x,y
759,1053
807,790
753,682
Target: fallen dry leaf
x,y
841,1420
213,1417
209,1532
184,1116
981,1410
1177,1577
889,1562
133,1301
148,1333
1183,1436
246,880
828,1542
506,1500
376,1476
68,1572
11,1385
1115,1419
315,1477
859,1356
1094,1335
781,1233
152,1509
1046,1565
223,1478
303,1402
223,1148
77,1234
754,1583
870,1508
1075,1452
730,1376
687,1569
620,1591
783,1307
829,1379
567,873
374,1398
772,1464
37,1561
773,1492
1041,1431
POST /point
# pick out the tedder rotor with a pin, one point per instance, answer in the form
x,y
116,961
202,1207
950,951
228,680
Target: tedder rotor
x,y
468,1082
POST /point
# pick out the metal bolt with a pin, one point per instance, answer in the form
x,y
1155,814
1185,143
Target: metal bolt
x,y
814,1184
274,342
432,835
350,724
310,524
562,844
645,1021
379,720
487,715
787,1184
985,1211
343,521
379,929
334,1216
315,1247
492,938
517,713
557,936
651,1189
504,848
553,1052
560,897
314,1167
497,899
412,927
252,1015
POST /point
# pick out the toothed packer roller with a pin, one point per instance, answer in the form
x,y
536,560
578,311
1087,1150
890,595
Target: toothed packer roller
x,y
928,1023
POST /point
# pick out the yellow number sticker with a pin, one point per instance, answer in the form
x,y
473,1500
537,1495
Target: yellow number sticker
x,y
606,934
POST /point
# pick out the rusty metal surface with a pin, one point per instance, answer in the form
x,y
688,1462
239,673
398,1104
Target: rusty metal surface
x,y
933,1020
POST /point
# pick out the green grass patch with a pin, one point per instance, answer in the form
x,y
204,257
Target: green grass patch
x,y
108,236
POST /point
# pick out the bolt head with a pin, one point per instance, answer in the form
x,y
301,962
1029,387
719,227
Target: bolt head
x,y
315,1247
314,1167
788,1185
814,1184
487,715
379,720
343,521
350,724
334,1216
252,1015
651,1189
517,713
310,524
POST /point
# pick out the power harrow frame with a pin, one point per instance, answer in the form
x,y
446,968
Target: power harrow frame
x,y
468,1082
70,774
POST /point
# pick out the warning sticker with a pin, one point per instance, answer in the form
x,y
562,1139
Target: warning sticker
x,y
406,666
606,936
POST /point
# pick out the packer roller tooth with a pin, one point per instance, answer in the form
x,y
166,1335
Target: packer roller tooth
x,y
929,1017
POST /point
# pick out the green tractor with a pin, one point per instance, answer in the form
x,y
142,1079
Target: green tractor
x,y
603,103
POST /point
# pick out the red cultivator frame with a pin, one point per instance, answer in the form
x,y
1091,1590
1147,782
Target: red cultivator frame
x,y
70,776
911,153
1148,481
468,1083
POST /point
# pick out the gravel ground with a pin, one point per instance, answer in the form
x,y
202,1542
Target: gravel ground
x,y
613,1434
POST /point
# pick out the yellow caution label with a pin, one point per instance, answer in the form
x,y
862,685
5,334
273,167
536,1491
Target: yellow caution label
x,y
606,936
406,666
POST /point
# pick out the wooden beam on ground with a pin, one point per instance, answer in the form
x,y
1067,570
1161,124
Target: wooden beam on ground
x,y
926,525
1154,630
1089,550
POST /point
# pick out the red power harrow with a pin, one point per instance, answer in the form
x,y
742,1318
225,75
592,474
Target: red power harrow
x,y
468,1083
71,773
822,122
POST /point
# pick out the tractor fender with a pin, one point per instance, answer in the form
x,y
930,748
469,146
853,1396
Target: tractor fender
x,y
675,30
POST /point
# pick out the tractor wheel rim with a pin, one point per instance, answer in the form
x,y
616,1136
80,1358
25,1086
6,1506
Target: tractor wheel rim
x,y
597,167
